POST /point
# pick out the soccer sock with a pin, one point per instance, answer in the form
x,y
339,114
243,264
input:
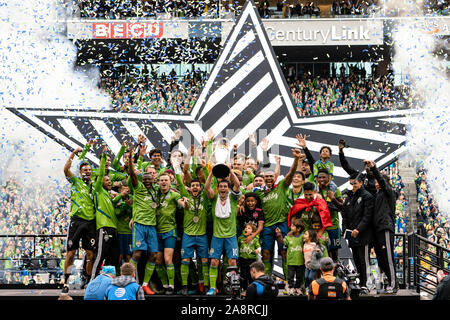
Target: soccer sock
x,y
184,272
213,271
149,268
193,273
171,274
66,278
205,271
161,271
268,267
199,269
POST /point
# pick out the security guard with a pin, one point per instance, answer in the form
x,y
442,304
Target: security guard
x,y
328,287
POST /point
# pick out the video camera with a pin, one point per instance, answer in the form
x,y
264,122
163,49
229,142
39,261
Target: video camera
x,y
232,282
350,277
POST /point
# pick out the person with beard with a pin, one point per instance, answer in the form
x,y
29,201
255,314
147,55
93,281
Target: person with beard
x,y
357,215
275,201
334,200
82,218
224,211
194,230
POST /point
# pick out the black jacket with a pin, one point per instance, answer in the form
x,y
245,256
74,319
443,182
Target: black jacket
x,y
358,214
443,290
270,289
384,212
369,182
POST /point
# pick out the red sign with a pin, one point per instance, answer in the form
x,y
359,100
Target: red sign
x,y
127,30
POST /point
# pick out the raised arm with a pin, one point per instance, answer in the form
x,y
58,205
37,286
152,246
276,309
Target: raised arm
x,y
343,160
302,143
67,172
208,190
101,171
235,182
297,156
116,161
131,173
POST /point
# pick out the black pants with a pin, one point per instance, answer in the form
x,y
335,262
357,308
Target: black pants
x,y
384,249
296,275
244,265
361,259
108,250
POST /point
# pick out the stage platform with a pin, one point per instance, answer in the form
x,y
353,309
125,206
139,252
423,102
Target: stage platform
x,y
53,294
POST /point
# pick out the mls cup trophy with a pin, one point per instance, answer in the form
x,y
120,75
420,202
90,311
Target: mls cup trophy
x,y
221,155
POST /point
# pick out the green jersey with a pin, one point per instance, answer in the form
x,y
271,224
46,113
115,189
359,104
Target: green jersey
x,y
294,196
323,165
324,240
274,204
82,205
143,199
247,178
196,215
294,255
333,213
247,250
141,164
225,227
105,215
165,211
124,213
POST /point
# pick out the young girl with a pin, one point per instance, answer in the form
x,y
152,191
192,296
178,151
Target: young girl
x,y
250,211
248,253
294,256
322,234
312,252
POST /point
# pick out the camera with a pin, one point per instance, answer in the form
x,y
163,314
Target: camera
x,y
350,277
232,282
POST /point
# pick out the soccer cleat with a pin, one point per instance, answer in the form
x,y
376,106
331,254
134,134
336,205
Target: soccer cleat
x,y
65,289
298,292
147,290
211,292
388,290
291,291
192,291
184,291
169,290
83,282
201,287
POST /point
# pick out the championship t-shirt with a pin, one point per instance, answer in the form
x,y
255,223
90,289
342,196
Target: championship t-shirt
x,y
165,211
274,204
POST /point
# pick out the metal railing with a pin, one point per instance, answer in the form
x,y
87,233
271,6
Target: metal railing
x,y
427,258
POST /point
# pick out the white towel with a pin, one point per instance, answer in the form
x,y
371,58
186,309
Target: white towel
x,y
223,212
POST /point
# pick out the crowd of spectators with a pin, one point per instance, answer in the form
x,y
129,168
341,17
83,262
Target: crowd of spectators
x,y
144,92
31,210
432,223
312,95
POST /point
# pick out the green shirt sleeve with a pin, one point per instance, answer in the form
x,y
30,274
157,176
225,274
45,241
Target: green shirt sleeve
x,y
116,161
86,148
181,187
101,173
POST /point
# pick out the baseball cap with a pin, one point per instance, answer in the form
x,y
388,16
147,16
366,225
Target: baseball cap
x,y
109,269
326,262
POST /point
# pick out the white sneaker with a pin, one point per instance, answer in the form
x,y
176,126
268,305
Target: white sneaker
x,y
291,291
298,292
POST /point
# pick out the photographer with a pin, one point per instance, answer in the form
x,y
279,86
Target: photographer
x,y
357,225
328,287
384,225
263,287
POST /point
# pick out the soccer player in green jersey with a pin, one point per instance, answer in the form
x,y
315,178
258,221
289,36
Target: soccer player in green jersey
x,y
115,176
296,191
274,199
224,213
144,236
334,200
124,214
194,227
82,218
106,221
166,206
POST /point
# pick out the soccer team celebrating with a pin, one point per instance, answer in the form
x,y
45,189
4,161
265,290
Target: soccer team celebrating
x,y
184,229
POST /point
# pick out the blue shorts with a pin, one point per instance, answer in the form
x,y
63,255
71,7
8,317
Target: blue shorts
x,y
125,243
219,245
167,240
335,239
144,238
269,236
191,243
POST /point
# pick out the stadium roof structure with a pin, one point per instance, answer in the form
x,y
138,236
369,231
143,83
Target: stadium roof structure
x,y
245,92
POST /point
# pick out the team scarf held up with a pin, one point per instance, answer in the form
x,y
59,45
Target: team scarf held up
x,y
303,205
